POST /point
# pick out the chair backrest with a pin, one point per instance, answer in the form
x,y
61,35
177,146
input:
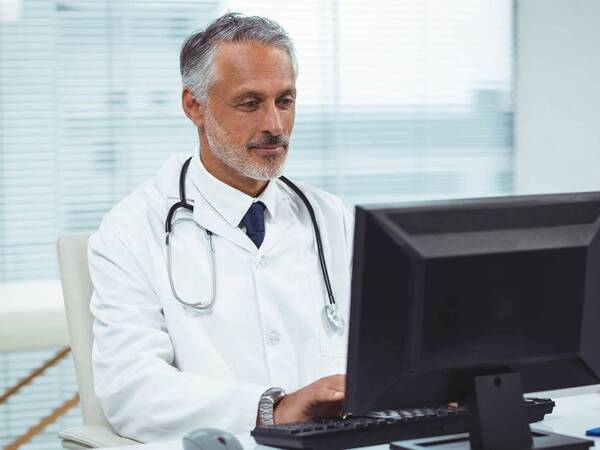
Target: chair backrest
x,y
77,292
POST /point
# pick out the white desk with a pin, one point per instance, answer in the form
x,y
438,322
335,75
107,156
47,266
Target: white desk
x,y
572,415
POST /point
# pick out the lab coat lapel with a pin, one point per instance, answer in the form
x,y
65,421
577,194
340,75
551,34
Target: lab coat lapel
x,y
285,219
205,216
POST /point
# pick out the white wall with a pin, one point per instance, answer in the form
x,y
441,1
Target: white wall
x,y
558,96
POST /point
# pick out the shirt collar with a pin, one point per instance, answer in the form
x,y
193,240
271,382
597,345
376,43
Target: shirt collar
x,y
227,201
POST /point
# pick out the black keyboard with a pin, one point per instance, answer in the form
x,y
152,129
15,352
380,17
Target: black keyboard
x,y
379,427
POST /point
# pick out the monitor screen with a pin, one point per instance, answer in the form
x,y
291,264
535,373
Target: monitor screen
x,y
443,289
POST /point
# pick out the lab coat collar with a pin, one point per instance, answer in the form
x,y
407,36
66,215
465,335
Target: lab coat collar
x,y
220,208
230,203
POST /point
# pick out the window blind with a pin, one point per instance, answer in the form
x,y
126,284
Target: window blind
x,y
397,101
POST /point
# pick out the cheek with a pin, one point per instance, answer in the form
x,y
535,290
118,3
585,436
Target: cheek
x,y
290,121
241,132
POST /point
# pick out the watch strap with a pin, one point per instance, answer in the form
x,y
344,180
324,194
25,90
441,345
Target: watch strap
x,y
266,404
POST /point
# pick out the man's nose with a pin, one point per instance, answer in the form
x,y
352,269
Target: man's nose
x,y
272,121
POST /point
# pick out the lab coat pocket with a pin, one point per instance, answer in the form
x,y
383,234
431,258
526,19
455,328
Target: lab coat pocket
x,y
333,342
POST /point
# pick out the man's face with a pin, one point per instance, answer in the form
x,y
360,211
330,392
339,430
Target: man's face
x,y
250,110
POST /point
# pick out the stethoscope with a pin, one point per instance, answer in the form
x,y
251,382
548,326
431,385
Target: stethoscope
x,y
331,309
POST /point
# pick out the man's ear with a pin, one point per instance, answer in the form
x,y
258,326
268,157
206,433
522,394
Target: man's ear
x,y
191,107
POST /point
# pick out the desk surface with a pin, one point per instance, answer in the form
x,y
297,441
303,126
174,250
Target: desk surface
x,y
572,415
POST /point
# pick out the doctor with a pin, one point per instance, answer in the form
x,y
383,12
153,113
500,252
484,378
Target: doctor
x,y
257,345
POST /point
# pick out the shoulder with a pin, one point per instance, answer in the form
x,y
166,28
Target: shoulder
x,y
324,203
333,215
142,212
313,193
320,196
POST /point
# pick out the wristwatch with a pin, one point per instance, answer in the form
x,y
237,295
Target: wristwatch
x,y
267,403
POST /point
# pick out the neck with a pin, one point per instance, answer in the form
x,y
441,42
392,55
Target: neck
x,y
227,175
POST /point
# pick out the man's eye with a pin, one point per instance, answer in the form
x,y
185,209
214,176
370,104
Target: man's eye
x,y
249,104
286,102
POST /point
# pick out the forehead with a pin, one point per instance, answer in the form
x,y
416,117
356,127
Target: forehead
x,y
252,66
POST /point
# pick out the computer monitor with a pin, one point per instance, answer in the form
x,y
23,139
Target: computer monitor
x,y
444,292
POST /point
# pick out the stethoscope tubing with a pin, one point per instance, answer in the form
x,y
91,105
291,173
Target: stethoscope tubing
x,y
213,276
182,203
313,218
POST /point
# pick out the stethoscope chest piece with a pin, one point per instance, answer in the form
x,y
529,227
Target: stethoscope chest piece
x,y
334,317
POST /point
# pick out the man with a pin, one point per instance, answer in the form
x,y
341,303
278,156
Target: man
x,y
161,369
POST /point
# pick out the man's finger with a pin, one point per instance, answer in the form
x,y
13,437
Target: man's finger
x,y
339,382
338,395
335,382
329,395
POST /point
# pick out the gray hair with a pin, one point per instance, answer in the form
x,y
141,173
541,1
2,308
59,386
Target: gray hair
x,y
199,50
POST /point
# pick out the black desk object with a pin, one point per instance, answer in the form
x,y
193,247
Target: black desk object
x,y
379,427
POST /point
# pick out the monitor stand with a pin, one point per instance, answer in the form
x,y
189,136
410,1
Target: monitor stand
x,y
498,421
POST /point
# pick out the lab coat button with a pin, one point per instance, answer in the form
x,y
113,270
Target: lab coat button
x,y
261,263
273,338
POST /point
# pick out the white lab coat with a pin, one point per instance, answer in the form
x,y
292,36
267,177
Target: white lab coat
x,y
160,371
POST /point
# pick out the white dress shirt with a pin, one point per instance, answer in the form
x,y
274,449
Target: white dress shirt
x,y
159,370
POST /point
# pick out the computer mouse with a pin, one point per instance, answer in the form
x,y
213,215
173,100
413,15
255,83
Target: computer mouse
x,y
210,439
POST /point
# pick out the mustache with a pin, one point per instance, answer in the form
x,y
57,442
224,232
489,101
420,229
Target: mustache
x,y
269,140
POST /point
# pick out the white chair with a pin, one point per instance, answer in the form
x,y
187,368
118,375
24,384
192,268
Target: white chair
x,y
77,291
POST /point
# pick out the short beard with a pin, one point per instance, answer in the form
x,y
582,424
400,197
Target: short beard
x,y
240,160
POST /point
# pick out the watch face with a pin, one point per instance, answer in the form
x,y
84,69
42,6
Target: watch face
x,y
274,394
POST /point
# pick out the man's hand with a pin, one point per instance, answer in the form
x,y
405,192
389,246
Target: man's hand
x,y
323,398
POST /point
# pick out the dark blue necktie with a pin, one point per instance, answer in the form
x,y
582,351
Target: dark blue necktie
x,y
254,221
